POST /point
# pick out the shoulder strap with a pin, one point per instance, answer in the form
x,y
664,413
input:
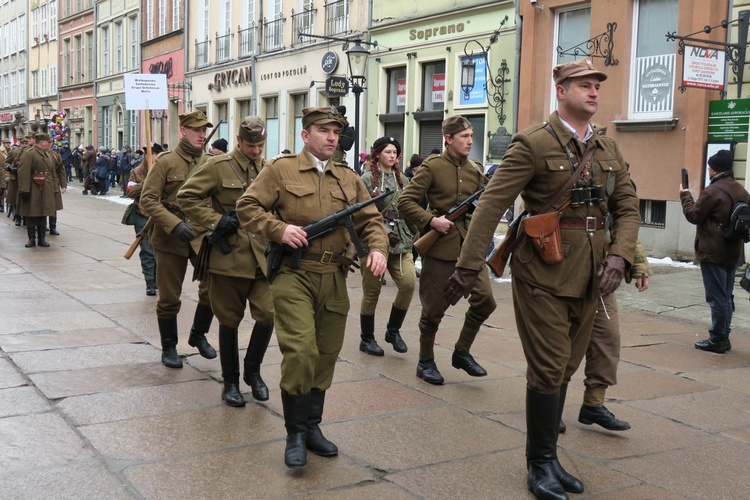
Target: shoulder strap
x,y
232,164
576,174
479,170
723,191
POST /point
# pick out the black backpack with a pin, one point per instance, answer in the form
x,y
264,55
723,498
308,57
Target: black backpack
x,y
738,227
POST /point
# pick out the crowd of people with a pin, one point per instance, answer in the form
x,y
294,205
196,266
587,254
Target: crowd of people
x,y
289,231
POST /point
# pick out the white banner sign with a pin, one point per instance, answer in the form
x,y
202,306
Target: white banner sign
x,y
703,68
145,91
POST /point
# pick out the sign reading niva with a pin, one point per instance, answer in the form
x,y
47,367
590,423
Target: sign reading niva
x,y
729,120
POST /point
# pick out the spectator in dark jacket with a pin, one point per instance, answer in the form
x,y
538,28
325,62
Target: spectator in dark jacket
x,y
717,256
67,158
103,163
124,167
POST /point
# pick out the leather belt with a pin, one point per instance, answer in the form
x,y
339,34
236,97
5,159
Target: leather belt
x,y
585,223
327,258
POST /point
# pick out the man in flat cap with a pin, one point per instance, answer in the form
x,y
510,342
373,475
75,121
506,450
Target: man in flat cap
x,y
311,302
718,256
555,303
176,238
446,180
41,183
237,276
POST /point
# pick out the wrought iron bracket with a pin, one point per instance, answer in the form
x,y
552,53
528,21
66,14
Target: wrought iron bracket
x,y
735,51
495,96
599,46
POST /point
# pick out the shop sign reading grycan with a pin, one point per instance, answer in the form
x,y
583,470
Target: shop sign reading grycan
x,y
337,86
231,78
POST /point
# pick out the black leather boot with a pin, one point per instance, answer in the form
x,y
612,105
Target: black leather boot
x,y
256,350
168,334
31,231
393,333
571,484
151,287
201,325
541,445
315,441
295,421
230,367
53,226
41,237
368,344
428,371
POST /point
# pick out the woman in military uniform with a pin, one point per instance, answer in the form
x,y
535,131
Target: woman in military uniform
x,y
384,174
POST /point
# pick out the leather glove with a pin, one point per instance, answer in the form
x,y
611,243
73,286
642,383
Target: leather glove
x,y
25,196
228,222
183,232
610,273
12,169
460,284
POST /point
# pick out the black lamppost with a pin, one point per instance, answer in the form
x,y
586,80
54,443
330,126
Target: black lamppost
x,y
46,113
357,56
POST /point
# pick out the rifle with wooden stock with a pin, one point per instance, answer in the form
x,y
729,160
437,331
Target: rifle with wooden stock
x,y
423,244
139,238
499,257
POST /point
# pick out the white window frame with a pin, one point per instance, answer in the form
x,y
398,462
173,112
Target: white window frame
x,y
558,15
119,56
22,32
638,110
162,17
35,84
22,85
13,36
43,21
175,15
35,23
105,51
53,79
53,19
150,19
43,82
13,90
134,45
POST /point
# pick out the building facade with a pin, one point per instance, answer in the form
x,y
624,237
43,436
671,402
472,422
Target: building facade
x,y
118,51
43,46
77,63
414,80
254,57
14,43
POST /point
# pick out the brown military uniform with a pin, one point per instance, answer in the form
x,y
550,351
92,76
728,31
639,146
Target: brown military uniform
x,y
555,305
446,180
45,201
313,299
165,176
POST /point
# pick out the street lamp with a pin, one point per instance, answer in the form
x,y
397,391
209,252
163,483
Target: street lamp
x,y
46,109
357,56
468,75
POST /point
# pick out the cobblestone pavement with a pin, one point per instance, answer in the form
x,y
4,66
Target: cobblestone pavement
x,y
88,411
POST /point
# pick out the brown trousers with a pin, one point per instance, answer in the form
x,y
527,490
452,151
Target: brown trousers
x,y
434,276
230,296
603,352
554,333
170,274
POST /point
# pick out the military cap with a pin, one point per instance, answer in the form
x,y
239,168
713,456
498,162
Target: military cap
x,y
194,119
576,69
30,135
387,140
6,139
455,124
322,116
252,129
41,136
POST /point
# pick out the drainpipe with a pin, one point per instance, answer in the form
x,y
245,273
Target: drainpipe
x,y
516,87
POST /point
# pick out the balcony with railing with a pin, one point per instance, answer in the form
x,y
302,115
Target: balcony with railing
x,y
337,17
273,38
247,40
201,53
302,22
223,47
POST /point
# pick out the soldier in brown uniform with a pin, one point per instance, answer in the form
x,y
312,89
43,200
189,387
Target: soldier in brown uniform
x,y
39,193
311,303
238,276
176,238
446,180
555,304
11,165
58,165
4,151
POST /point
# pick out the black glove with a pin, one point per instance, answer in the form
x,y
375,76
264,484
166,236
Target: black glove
x,y
2,191
183,232
610,273
26,196
460,284
12,169
228,223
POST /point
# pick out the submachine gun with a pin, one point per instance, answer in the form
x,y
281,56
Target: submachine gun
x,y
343,218
423,244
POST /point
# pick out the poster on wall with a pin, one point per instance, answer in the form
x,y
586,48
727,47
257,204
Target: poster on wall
x,y
477,96
713,147
401,92
703,68
438,87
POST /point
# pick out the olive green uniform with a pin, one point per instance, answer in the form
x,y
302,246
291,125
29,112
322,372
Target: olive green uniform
x,y
311,303
165,176
446,180
44,201
245,264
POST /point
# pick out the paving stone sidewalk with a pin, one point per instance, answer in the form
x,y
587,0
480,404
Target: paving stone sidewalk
x,y
88,411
